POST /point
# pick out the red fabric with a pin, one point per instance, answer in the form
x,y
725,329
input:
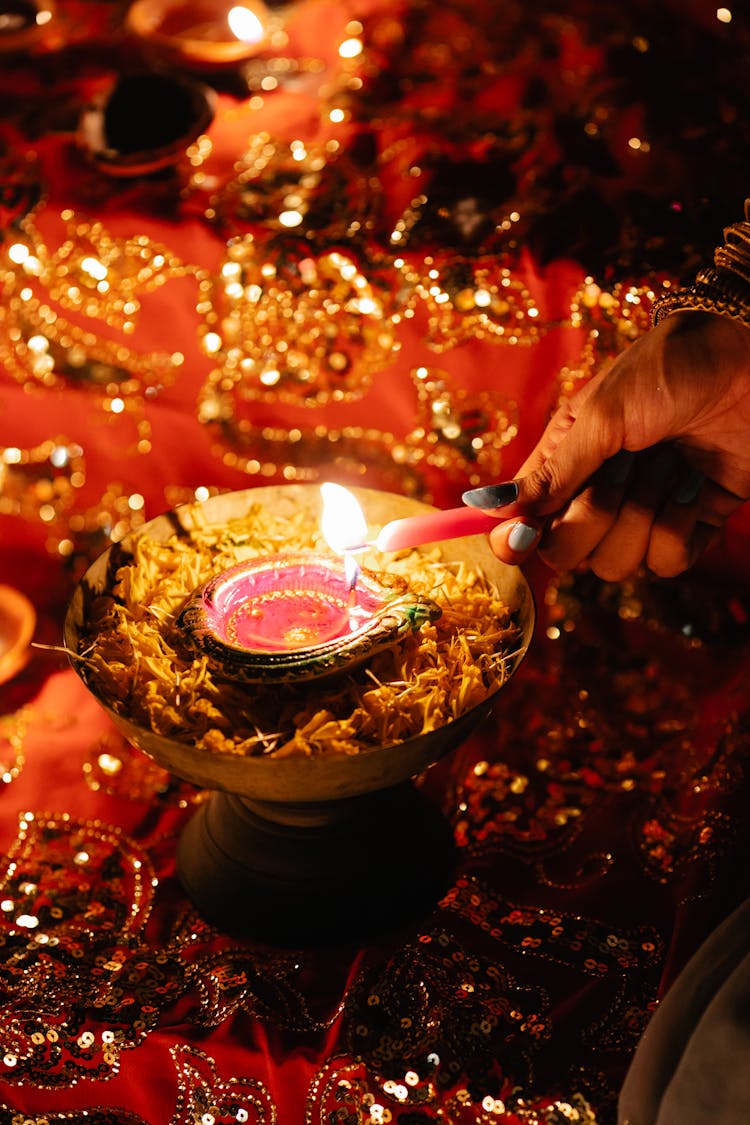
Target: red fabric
x,y
598,816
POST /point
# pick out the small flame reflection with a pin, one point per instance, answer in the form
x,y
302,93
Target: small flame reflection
x,y
345,531
351,570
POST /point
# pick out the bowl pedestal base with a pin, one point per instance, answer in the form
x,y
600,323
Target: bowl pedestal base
x,y
316,874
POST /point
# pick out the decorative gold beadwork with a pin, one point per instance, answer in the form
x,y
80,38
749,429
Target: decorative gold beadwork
x,y
290,323
469,299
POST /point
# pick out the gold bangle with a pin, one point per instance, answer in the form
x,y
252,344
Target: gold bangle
x,y
699,298
734,256
723,288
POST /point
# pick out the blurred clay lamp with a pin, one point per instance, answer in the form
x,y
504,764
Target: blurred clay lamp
x,y
206,34
142,123
303,616
17,621
23,23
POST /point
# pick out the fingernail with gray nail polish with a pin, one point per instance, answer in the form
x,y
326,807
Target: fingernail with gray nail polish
x,y
689,489
492,496
522,537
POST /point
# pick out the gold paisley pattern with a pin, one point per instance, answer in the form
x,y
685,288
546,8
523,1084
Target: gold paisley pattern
x,y
385,263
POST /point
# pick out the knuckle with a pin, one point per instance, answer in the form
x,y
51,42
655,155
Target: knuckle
x,y
669,554
545,486
610,571
538,486
586,507
559,558
669,564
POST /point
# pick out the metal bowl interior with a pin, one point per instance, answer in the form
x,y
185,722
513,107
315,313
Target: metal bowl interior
x,y
296,780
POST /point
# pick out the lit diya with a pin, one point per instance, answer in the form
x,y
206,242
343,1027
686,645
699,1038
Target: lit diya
x,y
304,616
23,23
304,680
201,34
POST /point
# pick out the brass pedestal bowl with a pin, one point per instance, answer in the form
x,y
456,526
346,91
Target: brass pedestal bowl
x,y
307,849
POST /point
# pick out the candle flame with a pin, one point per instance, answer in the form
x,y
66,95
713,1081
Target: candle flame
x,y
245,24
343,523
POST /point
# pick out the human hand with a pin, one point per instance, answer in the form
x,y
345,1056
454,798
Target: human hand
x,y
645,464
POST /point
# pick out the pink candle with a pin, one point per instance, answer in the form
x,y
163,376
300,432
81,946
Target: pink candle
x,y
451,524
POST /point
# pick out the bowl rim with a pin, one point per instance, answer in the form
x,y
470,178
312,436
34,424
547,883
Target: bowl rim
x,y
320,778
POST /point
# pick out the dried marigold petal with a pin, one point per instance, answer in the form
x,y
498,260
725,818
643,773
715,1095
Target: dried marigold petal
x,y
138,660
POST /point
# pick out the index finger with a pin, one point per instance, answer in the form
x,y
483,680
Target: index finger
x,y
584,433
